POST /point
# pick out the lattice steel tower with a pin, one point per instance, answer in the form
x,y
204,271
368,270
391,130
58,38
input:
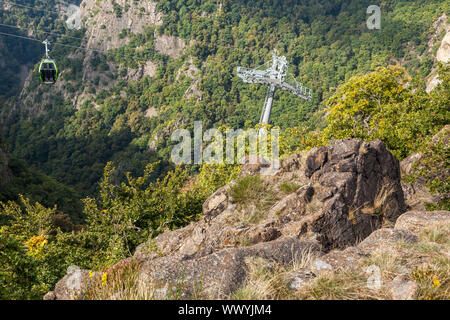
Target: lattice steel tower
x,y
276,77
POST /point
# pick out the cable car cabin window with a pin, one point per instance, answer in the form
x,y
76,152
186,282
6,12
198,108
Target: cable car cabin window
x,y
48,73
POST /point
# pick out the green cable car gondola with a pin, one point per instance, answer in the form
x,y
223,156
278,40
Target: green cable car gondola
x,y
48,70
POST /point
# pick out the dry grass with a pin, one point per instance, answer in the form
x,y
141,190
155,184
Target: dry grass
x,y
345,285
433,272
267,280
123,282
289,187
427,262
248,189
254,197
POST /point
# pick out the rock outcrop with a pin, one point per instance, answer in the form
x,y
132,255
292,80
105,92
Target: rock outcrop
x,y
443,52
357,185
342,194
106,20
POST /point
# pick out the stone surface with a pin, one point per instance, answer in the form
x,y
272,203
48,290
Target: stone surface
x,y
383,238
144,69
98,13
169,45
415,221
263,233
337,259
49,296
320,266
72,286
403,288
220,273
299,278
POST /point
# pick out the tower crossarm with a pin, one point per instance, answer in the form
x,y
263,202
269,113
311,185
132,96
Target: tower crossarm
x,y
267,77
256,76
275,77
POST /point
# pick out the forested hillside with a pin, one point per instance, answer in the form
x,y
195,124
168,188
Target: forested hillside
x,y
98,111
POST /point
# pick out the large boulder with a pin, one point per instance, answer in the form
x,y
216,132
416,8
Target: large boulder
x,y
354,188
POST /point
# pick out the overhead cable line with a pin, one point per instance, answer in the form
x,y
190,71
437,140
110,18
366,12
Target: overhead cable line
x,y
64,45
21,37
46,32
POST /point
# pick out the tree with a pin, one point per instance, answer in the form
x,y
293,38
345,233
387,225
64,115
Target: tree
x,y
379,105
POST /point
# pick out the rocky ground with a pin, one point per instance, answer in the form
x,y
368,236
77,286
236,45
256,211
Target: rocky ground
x,y
330,224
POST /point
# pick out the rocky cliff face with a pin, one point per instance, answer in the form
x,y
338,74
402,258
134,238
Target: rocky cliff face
x,y
342,205
443,52
105,20
109,25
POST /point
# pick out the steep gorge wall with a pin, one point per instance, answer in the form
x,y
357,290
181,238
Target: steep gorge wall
x,y
4,160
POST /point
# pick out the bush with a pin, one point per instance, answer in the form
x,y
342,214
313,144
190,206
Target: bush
x,y
380,106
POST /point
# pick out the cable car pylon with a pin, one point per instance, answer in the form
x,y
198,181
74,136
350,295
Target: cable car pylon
x,y
276,77
47,44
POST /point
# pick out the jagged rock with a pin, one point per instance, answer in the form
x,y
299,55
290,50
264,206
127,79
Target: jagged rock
x,y
292,163
253,164
406,166
383,238
294,205
415,221
219,274
172,46
263,233
145,69
347,258
98,13
315,160
403,288
443,52
163,244
72,286
216,203
356,189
